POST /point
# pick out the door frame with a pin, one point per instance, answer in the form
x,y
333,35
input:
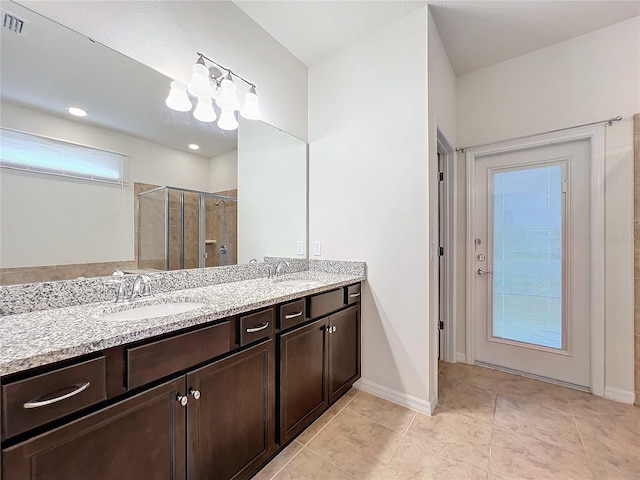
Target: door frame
x,y
595,136
450,267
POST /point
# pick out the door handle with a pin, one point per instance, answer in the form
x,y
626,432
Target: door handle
x,y
482,271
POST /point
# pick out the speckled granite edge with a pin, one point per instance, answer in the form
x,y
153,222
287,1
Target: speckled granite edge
x,y
342,267
16,299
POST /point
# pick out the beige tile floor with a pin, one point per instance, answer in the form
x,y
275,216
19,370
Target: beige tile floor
x,y
489,425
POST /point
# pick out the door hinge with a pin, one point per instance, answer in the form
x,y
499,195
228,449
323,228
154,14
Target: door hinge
x,y
441,251
441,176
441,325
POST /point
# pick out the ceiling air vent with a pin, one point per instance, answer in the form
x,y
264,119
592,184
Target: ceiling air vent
x,y
12,22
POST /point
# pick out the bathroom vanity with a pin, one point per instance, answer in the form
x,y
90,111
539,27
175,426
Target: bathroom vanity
x,y
209,394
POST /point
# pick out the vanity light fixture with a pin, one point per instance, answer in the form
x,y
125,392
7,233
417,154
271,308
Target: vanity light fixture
x,y
214,83
77,112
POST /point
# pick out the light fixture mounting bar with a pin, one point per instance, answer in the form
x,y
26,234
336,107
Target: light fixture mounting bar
x,y
226,69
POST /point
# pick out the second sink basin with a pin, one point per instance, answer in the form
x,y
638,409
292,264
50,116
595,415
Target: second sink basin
x,y
154,311
299,282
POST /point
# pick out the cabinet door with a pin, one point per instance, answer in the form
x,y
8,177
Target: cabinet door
x,y
231,426
344,351
303,377
141,437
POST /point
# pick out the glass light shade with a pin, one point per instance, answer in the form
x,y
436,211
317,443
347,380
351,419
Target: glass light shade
x,y
251,109
199,85
227,99
204,110
178,99
227,120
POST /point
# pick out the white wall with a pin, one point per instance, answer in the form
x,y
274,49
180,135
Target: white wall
x,y
442,117
589,78
107,238
223,172
166,36
368,197
272,192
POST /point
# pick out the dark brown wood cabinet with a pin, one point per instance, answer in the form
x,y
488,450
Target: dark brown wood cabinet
x,y
231,414
140,437
303,377
344,351
318,362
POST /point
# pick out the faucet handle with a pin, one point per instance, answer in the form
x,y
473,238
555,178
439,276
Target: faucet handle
x,y
280,267
116,278
141,286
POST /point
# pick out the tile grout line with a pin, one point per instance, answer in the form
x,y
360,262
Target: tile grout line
x,y
288,461
305,446
330,420
493,427
368,419
584,447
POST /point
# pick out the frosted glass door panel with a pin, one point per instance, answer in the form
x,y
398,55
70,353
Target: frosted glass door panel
x,y
528,256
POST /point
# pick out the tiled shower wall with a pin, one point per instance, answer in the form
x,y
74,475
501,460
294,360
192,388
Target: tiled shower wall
x,y
221,230
636,249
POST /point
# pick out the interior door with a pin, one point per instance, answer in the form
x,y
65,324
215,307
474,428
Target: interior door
x,y
531,261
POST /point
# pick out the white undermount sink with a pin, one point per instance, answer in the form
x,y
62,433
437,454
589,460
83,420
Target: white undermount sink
x,y
154,311
300,282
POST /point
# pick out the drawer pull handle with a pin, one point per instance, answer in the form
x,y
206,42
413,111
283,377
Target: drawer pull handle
x,y
44,403
354,295
292,315
257,329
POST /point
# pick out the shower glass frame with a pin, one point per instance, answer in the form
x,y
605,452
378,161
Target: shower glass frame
x,y
202,196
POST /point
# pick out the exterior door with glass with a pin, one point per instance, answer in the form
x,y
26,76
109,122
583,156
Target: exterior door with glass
x,y
531,261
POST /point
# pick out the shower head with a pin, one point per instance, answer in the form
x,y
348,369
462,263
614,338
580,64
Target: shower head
x,y
218,202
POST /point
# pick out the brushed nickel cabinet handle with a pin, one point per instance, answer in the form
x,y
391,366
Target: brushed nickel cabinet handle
x,y
257,329
292,315
43,403
354,295
194,393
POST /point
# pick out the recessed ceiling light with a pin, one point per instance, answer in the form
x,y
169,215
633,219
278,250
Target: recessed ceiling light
x,y
193,146
78,112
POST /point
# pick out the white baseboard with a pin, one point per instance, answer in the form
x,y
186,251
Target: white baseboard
x,y
619,395
461,357
399,398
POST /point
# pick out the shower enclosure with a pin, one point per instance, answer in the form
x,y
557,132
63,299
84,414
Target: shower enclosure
x,y
180,228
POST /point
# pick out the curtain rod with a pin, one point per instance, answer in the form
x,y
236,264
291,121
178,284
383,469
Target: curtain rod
x,y
608,121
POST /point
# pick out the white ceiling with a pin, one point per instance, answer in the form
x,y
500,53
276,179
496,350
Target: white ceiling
x,y
475,34
313,29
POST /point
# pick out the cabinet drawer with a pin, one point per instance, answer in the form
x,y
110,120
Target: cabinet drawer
x,y
292,314
325,303
352,294
152,361
256,326
37,400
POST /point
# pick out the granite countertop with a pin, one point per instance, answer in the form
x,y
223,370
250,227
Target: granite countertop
x,y
41,337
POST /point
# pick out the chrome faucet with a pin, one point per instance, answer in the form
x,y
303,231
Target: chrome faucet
x,y
141,287
280,268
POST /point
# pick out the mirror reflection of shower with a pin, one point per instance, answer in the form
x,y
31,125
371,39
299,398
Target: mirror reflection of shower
x,y
180,228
